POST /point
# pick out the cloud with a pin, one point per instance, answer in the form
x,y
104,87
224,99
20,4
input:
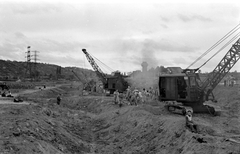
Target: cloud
x,y
132,52
33,8
164,19
65,53
181,61
20,35
166,46
164,26
152,50
58,52
52,45
120,35
185,18
12,51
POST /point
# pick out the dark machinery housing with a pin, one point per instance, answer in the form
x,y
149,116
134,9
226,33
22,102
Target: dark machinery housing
x,y
187,88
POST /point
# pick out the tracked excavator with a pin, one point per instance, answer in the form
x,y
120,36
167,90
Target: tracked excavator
x,y
186,90
110,82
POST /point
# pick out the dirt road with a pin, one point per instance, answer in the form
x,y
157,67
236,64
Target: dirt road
x,y
9,100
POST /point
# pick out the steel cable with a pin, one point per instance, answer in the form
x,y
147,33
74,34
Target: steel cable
x,y
216,44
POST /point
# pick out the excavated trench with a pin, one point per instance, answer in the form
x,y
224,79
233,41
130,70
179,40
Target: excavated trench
x,y
93,124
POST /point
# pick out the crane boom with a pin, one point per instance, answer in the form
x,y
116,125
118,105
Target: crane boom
x,y
96,68
76,76
224,66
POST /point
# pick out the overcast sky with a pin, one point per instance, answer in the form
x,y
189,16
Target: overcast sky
x,y
121,34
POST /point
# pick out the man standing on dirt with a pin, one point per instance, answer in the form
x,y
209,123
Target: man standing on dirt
x,y
59,99
116,97
128,94
135,96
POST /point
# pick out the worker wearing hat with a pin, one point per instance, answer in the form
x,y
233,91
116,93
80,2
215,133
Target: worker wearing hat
x,y
128,94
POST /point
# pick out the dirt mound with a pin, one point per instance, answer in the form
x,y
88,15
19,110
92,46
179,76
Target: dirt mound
x,y
34,129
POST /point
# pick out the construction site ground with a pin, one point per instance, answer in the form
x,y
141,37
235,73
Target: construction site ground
x,y
94,124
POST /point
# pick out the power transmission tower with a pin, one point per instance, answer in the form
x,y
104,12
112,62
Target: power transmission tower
x,y
35,58
28,72
31,68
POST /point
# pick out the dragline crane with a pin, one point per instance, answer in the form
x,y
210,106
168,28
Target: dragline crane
x,y
96,68
187,89
110,82
87,85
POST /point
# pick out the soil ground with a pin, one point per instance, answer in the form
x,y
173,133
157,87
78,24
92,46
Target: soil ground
x,y
93,124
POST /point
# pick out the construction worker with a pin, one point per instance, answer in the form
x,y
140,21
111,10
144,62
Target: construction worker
x,y
121,96
4,94
132,97
116,97
59,99
156,94
140,98
189,122
151,93
144,95
135,96
9,94
128,94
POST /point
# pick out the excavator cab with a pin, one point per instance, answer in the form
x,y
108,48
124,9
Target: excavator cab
x,y
182,92
178,87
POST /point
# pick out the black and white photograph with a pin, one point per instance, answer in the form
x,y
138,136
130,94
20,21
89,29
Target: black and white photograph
x,y
119,77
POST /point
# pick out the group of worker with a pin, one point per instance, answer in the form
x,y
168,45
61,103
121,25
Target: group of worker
x,y
6,93
135,96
